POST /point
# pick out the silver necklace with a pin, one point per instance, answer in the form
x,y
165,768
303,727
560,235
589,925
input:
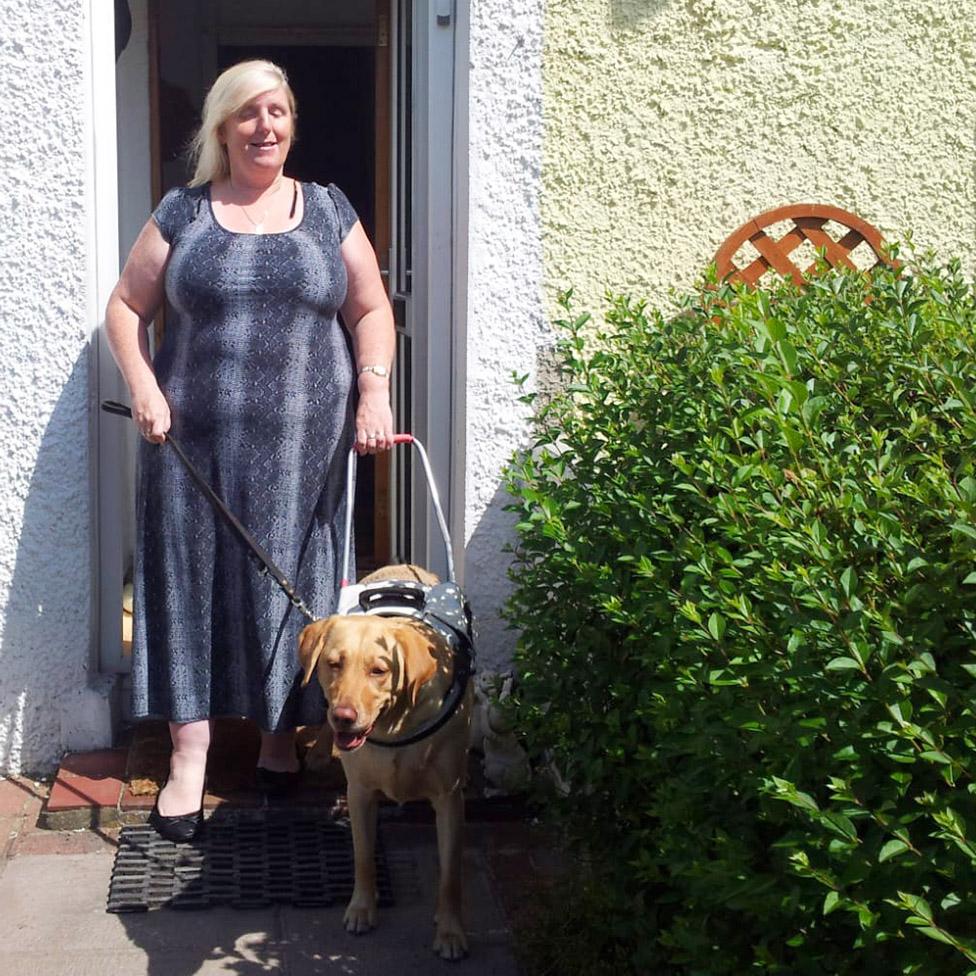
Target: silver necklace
x,y
258,225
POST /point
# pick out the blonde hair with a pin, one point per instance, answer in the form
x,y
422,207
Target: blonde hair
x,y
232,90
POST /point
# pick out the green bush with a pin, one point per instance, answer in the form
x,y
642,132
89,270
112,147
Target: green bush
x,y
744,581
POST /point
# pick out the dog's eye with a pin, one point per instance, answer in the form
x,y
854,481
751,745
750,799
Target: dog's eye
x,y
334,665
378,672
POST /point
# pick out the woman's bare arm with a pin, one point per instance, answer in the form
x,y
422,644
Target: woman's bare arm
x,y
131,307
369,318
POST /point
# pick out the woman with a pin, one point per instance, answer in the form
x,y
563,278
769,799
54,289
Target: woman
x,y
256,380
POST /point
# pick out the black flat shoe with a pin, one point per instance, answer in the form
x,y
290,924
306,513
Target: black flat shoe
x,y
179,829
272,783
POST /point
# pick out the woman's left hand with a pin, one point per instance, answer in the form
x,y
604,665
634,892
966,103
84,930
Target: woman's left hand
x,y
374,422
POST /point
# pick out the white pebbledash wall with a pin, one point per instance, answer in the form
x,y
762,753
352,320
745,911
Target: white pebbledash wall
x,y
49,699
506,325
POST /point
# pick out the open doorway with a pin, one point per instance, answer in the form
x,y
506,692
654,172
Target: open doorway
x,y
334,88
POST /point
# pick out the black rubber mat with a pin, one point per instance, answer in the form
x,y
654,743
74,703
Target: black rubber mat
x,y
242,858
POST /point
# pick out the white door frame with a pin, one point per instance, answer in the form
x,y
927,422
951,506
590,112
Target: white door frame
x,y
440,36
106,434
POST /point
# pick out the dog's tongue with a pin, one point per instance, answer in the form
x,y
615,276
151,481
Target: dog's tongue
x,y
350,740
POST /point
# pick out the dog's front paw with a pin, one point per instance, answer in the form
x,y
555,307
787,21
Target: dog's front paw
x,y
360,915
450,942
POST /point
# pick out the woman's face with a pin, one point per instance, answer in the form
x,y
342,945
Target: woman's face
x,y
258,135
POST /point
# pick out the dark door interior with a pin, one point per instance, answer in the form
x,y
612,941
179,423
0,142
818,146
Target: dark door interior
x,y
334,90
337,143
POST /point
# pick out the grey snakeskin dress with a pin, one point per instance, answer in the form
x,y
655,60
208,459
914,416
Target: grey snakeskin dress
x,y
258,374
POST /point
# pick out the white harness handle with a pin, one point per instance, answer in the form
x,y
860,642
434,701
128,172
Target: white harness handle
x,y
351,501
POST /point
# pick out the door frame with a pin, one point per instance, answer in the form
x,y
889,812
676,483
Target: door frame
x,y
439,245
438,293
106,440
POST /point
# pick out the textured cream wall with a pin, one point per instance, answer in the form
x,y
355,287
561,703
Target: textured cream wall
x,y
668,123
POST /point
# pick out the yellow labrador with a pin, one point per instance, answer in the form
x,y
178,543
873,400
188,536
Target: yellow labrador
x,y
389,674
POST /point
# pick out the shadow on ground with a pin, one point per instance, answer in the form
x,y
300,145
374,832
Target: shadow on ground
x,y
305,941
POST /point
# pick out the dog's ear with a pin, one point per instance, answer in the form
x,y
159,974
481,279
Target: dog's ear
x,y
311,643
418,654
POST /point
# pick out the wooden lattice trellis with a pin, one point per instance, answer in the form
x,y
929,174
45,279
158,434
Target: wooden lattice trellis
x,y
808,220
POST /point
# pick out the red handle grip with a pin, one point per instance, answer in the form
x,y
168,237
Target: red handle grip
x,y
403,438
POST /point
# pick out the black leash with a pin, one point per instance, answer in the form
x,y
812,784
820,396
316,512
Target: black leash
x,y
266,565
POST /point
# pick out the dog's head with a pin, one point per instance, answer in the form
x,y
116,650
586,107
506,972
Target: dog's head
x,y
367,666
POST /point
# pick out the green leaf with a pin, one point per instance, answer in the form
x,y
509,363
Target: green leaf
x,y
843,664
933,933
793,438
788,351
865,917
840,824
716,626
775,329
722,678
916,904
848,581
892,849
962,528
831,902
802,800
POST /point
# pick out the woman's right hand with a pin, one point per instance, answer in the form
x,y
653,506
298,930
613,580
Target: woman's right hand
x,y
150,414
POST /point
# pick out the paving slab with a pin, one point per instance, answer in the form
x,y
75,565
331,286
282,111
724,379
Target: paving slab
x,y
53,921
16,793
87,790
131,962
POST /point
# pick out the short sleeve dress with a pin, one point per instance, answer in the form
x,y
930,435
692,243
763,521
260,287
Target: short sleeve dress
x,y
258,374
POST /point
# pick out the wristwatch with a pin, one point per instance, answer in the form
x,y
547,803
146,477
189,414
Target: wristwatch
x,y
377,370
